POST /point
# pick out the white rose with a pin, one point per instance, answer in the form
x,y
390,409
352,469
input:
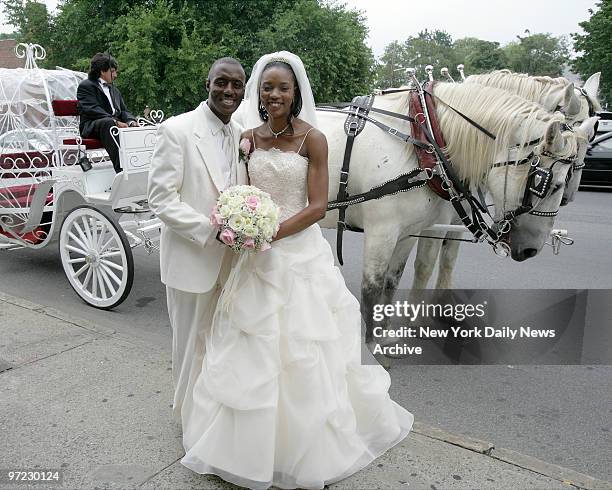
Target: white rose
x,y
225,211
236,222
249,230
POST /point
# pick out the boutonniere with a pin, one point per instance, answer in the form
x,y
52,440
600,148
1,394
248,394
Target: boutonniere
x,y
244,150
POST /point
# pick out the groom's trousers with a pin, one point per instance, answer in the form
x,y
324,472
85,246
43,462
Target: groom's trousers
x,y
191,317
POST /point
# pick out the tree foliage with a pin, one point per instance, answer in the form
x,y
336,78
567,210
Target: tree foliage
x,y
331,43
165,47
595,48
31,20
426,48
538,54
479,56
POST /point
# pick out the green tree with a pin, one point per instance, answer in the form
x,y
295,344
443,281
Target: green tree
x,y
426,48
595,49
162,56
331,42
390,70
165,47
31,20
538,54
85,27
479,56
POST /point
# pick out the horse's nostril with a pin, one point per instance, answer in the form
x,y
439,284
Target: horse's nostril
x,y
564,201
530,252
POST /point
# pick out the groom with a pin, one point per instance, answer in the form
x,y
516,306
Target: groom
x,y
195,158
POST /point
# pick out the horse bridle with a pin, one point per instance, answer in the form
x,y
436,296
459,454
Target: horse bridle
x,y
539,182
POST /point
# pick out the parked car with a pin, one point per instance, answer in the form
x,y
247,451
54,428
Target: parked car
x,y
597,170
604,125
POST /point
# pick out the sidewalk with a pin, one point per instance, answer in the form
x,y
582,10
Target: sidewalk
x,y
95,404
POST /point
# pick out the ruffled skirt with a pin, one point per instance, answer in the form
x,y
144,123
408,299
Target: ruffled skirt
x,y
282,398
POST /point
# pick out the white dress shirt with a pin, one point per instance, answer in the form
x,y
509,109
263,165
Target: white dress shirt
x,y
222,134
106,90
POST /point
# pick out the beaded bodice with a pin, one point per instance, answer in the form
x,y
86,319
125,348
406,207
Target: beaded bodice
x,y
283,175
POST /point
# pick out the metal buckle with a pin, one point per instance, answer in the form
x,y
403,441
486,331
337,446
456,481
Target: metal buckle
x,y
429,173
392,131
416,118
501,249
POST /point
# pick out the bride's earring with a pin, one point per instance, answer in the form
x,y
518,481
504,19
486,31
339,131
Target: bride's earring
x,y
263,114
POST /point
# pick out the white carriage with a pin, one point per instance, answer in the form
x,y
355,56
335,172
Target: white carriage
x,y
57,187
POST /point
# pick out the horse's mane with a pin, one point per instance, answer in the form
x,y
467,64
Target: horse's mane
x,y
497,110
529,87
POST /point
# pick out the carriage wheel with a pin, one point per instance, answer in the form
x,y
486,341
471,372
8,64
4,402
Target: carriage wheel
x,y
97,257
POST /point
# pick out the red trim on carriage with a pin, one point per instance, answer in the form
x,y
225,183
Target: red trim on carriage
x,y
20,196
26,160
90,143
25,164
426,159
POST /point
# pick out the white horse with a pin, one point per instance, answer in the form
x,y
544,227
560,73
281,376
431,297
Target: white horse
x,y
552,94
390,222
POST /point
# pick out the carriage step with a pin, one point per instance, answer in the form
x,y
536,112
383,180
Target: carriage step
x,y
10,246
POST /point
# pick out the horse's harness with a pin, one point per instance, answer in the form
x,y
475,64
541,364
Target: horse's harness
x,y
434,167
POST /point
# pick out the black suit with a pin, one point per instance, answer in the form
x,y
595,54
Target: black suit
x,y
97,116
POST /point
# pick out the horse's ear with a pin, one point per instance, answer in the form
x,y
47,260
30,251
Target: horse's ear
x,y
553,139
591,86
588,126
571,102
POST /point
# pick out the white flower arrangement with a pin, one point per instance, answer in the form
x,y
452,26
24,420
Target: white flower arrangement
x,y
246,218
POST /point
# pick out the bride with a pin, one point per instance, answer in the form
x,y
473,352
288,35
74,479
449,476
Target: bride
x,y
283,398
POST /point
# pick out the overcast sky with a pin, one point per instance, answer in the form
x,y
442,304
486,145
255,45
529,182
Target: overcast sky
x,y
492,20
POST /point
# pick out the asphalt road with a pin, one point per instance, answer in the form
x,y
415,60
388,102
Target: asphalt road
x,y
561,414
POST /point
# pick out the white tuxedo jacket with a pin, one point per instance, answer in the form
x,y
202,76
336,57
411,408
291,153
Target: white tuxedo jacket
x,y
185,180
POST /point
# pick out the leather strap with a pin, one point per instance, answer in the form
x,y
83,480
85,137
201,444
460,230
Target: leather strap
x,y
353,125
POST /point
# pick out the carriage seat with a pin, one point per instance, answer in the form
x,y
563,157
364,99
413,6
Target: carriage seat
x,y
69,108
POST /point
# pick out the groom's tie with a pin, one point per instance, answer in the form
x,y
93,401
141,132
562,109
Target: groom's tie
x,y
228,150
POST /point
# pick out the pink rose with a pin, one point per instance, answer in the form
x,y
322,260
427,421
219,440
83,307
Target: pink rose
x,y
228,237
249,244
245,146
215,218
252,202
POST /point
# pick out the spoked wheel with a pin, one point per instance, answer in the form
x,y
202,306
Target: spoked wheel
x,y
97,257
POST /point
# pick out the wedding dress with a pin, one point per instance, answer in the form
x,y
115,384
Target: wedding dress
x,y
282,398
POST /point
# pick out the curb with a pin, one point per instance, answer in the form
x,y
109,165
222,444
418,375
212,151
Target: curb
x,y
530,463
59,315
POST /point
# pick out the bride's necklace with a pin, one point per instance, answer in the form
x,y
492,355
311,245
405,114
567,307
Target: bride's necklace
x,y
277,134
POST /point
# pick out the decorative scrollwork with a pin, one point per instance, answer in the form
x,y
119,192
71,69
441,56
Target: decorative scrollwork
x,y
149,140
31,52
156,116
114,131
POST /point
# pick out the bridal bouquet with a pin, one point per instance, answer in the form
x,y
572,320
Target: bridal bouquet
x,y
246,218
